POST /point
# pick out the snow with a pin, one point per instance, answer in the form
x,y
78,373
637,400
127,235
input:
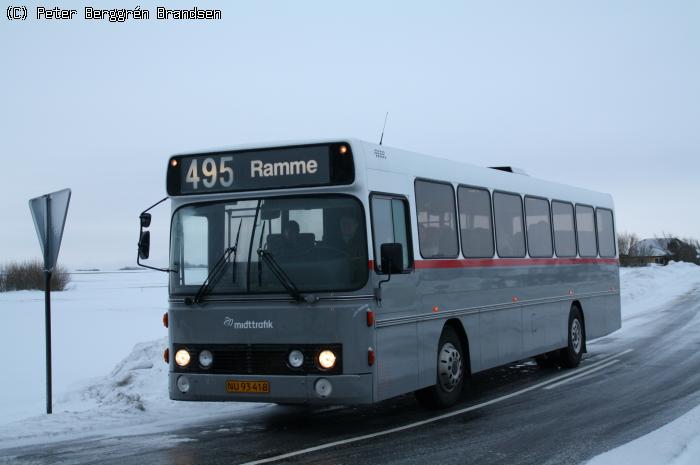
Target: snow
x,y
108,382
643,291
97,326
676,443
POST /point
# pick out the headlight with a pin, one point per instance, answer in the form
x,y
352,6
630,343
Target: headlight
x,y
296,358
326,359
182,358
205,358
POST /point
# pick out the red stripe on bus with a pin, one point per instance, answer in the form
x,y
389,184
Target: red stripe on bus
x,y
490,262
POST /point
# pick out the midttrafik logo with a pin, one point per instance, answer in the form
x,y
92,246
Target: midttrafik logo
x,y
248,324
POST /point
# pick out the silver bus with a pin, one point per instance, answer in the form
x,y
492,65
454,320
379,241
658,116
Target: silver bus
x,y
344,272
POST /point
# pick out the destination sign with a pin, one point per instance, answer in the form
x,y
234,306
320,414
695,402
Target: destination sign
x,y
277,168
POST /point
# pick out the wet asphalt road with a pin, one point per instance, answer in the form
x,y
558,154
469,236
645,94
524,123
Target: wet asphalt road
x,y
650,385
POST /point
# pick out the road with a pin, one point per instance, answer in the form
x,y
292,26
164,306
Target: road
x,y
629,384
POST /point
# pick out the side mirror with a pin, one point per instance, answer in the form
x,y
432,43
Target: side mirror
x,y
145,220
144,244
392,258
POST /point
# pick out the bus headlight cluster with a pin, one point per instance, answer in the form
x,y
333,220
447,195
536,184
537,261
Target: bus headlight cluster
x,y
182,358
296,358
326,359
206,358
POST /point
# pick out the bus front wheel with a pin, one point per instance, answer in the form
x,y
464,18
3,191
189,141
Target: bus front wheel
x,y
451,373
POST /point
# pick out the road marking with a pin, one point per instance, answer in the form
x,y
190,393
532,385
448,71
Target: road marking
x,y
416,424
580,375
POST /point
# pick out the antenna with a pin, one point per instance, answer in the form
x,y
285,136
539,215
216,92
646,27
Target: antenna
x,y
383,127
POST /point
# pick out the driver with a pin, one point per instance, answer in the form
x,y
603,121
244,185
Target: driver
x,y
292,238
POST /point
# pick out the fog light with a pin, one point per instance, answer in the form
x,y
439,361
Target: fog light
x,y
183,384
296,358
205,358
182,357
326,359
323,387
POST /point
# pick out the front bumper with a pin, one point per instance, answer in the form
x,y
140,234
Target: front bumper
x,y
347,389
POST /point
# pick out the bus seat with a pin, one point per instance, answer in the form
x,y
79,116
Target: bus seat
x,y
306,240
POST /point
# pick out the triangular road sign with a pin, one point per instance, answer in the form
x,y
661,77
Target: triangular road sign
x,y
49,212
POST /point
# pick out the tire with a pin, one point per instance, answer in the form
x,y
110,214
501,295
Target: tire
x,y
570,356
451,375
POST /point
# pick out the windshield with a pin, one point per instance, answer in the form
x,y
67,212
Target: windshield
x,y
319,242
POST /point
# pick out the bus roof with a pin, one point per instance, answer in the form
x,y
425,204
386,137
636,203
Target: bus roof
x,y
390,159
382,158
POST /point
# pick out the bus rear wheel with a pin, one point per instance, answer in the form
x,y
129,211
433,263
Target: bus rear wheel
x,y
451,373
570,356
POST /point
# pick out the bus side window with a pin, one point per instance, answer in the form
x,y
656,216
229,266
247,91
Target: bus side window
x,y
437,220
585,230
564,233
510,237
606,232
539,231
476,222
390,225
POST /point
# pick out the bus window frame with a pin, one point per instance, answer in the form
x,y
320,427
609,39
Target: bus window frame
x,y
522,220
493,226
409,267
454,211
363,214
614,238
551,225
554,236
595,230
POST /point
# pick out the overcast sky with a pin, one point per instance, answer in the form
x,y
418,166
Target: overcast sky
x,y
598,94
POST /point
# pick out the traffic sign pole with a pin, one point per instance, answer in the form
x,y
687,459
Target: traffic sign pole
x,y
47,318
47,306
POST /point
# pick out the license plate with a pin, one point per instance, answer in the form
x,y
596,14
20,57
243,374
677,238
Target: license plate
x,y
247,387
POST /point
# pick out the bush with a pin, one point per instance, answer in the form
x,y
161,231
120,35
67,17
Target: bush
x,y
29,275
625,242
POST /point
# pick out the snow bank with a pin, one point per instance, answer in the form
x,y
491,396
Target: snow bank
x,y
131,400
677,443
135,384
645,289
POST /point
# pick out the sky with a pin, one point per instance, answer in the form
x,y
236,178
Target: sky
x,y
599,94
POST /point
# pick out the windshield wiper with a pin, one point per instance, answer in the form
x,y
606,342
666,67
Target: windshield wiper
x,y
213,275
281,276
235,252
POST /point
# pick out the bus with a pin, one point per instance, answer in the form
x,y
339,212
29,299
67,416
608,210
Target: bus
x,y
345,272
